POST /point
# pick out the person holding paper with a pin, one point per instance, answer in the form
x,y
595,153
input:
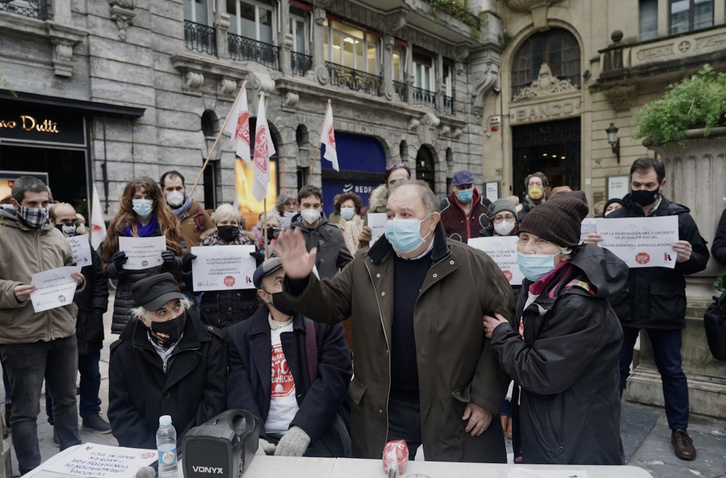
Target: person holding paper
x,y
165,363
378,197
464,212
36,346
223,308
92,304
291,373
656,296
424,371
142,213
562,352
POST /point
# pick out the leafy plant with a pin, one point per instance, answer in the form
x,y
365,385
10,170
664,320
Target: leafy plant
x,y
695,102
458,11
5,85
720,283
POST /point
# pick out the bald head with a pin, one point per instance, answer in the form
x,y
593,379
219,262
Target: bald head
x,y
62,213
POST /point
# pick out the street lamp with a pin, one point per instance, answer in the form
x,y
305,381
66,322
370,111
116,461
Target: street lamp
x,y
614,141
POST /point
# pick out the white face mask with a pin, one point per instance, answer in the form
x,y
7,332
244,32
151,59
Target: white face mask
x,y
310,215
175,198
504,228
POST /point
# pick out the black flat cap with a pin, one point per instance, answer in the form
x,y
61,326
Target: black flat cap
x,y
265,269
153,292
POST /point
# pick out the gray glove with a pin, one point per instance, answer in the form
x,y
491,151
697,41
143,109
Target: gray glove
x,y
294,443
266,446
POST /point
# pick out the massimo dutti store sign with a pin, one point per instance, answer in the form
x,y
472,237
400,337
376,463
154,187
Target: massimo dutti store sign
x,y
25,124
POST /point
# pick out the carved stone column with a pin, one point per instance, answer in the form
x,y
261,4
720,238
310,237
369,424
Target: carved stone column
x,y
221,28
318,52
286,38
387,71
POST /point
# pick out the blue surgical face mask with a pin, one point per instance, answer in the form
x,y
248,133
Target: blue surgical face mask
x,y
536,266
142,207
465,195
290,213
347,213
405,234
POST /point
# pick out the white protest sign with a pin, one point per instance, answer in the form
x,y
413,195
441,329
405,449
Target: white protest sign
x,y
377,223
142,252
81,249
503,251
641,241
588,225
223,267
101,461
54,288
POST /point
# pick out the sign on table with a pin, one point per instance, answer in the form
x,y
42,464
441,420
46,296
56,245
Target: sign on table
x,y
377,223
223,267
103,461
54,288
503,251
142,252
641,241
81,248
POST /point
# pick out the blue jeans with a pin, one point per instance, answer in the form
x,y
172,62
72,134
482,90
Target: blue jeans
x,y
27,365
90,403
667,355
404,423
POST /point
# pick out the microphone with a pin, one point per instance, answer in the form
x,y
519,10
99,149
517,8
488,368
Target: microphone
x,y
395,458
146,472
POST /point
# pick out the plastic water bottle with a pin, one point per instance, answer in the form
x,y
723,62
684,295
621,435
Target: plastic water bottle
x,y
166,446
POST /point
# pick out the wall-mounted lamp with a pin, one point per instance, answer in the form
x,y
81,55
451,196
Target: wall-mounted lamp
x,y
614,141
496,90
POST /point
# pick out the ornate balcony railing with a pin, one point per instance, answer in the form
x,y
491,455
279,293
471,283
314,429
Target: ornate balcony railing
x,y
199,37
247,49
300,63
401,90
355,80
448,105
424,97
39,9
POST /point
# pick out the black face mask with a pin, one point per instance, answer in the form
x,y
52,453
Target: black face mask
x,y
272,233
643,197
282,304
228,233
167,333
68,230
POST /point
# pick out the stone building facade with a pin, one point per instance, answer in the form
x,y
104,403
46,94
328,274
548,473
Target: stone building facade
x,y
146,86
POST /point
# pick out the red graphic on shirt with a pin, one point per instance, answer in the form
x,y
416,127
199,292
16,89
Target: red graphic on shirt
x,y
282,382
642,258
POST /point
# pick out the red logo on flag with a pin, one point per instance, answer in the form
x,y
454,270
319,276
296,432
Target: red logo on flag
x,y
331,137
261,153
229,281
642,258
243,127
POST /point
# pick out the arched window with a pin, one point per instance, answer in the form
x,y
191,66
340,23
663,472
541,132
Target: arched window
x,y
556,47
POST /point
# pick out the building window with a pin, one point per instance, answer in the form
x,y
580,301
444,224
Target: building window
x,y
689,15
556,47
198,35
350,46
398,53
253,19
197,11
30,8
448,72
300,57
648,10
424,79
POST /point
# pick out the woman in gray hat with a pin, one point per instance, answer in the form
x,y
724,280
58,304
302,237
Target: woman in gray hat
x,y
563,351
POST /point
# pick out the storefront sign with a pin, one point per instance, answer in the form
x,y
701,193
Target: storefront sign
x,y
545,111
25,123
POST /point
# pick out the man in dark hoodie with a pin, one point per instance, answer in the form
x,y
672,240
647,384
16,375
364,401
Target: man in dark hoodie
x,y
656,296
562,352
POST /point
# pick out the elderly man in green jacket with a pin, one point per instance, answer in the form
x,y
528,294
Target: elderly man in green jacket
x,y
424,371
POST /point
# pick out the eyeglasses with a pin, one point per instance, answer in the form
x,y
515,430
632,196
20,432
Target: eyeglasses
x,y
499,219
399,165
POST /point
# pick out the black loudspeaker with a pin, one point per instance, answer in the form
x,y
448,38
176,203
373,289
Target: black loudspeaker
x,y
222,447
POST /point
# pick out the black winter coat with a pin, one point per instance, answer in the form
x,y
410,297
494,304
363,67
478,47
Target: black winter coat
x,y
567,364
191,388
718,249
655,297
333,254
249,387
92,303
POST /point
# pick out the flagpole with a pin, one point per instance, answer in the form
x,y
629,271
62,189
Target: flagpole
x,y
216,140
264,228
320,139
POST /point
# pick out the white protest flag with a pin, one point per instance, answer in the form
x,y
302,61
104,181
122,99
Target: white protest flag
x,y
239,127
328,138
263,150
98,227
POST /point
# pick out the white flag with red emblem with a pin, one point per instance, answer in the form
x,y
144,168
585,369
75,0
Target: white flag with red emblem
x,y
328,138
98,227
238,127
263,150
